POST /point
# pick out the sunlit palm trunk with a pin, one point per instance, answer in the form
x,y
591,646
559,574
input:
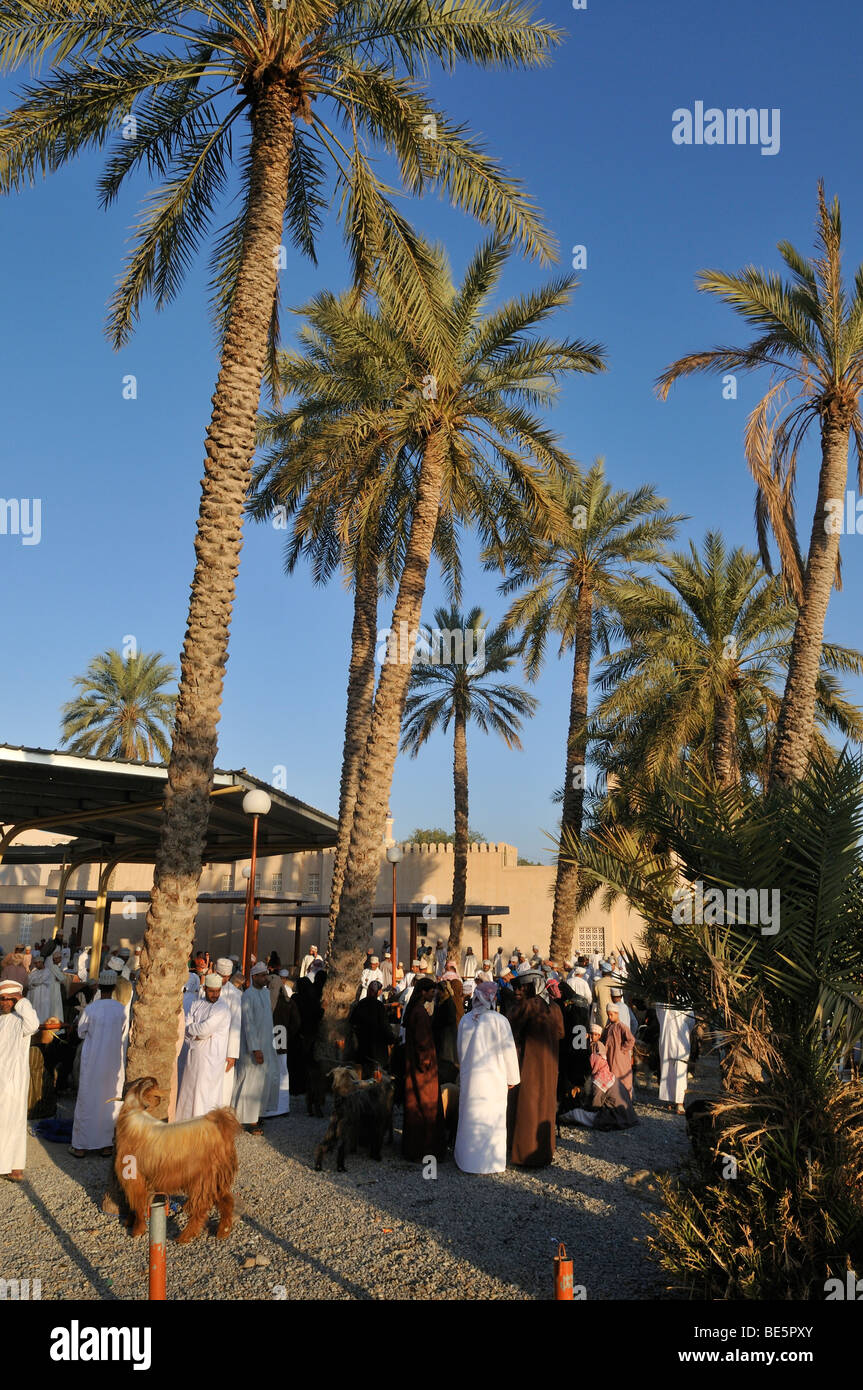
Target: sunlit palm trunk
x,y
796,721
566,883
726,764
229,447
354,925
361,694
460,848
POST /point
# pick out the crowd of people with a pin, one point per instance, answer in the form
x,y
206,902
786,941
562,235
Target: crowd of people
x,y
512,1046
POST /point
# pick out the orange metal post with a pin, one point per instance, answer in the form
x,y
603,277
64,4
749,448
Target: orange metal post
x,y
158,1240
394,930
248,948
562,1275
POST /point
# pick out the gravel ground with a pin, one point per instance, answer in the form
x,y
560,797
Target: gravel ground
x,y
378,1231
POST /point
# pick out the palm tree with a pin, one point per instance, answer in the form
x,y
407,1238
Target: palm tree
x,y
122,709
810,335
786,1000
458,691
698,677
461,422
347,504
292,93
572,583
329,538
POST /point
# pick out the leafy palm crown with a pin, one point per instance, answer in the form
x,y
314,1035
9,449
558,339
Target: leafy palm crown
x,y
810,336
176,76
442,689
721,629
604,535
122,709
373,381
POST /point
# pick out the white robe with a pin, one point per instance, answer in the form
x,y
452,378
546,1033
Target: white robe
x,y
579,985
103,1026
233,997
39,993
675,1030
304,968
489,1066
16,1029
283,1102
189,1001
256,1087
207,1030
367,977
498,965
469,966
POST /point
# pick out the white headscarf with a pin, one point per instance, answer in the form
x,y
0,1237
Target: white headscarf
x,y
484,995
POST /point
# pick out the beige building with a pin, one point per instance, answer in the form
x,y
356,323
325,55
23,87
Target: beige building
x,y
58,808
424,885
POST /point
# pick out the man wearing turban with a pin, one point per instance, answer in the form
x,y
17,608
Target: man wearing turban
x,y
208,1026
103,1026
18,1022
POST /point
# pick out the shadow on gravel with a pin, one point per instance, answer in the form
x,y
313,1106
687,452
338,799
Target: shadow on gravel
x,y
534,1210
67,1243
351,1290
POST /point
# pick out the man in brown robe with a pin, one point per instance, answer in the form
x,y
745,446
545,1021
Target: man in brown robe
x,y
537,1028
619,1045
423,1133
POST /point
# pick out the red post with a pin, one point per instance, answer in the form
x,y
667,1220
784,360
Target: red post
x,y
256,918
393,931
562,1275
250,897
485,954
158,1240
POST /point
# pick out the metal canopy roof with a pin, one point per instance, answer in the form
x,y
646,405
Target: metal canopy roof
x,y
112,807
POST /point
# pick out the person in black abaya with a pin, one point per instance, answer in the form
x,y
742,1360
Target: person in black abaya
x,y
445,1021
372,1032
301,1046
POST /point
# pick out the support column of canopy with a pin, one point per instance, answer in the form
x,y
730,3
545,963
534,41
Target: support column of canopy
x,y
99,919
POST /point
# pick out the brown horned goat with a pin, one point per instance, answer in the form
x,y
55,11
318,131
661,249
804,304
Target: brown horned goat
x,y
198,1157
362,1114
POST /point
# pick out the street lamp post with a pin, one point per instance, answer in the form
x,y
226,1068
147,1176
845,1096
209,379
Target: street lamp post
x,y
255,803
394,855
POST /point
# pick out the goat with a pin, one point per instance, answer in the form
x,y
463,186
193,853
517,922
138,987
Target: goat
x,y
362,1113
198,1157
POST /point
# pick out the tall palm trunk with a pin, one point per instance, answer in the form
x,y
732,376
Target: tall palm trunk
x,y
361,695
229,448
566,883
797,715
460,848
353,927
726,762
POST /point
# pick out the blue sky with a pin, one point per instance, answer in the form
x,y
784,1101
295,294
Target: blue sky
x,y
591,138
